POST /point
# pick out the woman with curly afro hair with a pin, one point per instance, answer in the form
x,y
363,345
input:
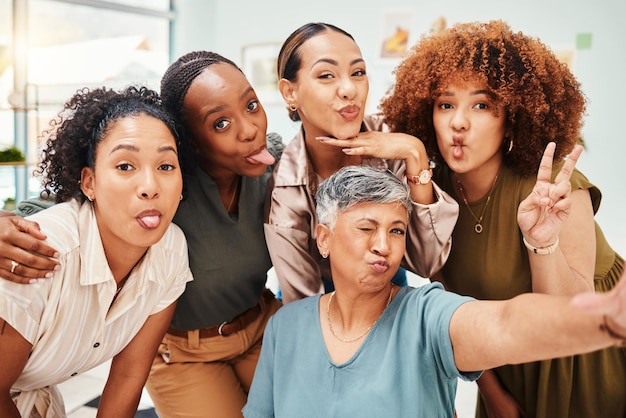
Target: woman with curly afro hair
x,y
486,102
111,160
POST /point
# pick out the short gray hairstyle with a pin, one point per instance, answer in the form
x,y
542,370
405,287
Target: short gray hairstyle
x,y
356,184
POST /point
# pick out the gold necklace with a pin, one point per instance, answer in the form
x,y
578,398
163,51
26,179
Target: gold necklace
x,y
478,228
351,340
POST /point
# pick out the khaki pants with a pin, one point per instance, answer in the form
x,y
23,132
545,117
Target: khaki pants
x,y
207,377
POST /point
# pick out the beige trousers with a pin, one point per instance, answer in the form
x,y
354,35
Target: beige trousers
x,y
207,377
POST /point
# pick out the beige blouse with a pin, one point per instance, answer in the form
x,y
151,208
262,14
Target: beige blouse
x,y
69,319
290,222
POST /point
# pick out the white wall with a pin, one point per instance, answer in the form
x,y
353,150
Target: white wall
x,y
225,26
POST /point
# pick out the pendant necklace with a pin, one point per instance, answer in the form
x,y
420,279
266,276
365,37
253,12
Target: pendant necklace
x,y
478,228
351,340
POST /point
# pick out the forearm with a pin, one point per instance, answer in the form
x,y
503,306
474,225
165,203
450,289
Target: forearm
x,y
130,368
488,384
120,397
527,328
416,161
552,274
429,238
7,407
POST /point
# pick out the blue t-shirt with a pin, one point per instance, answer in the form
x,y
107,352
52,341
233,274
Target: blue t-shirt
x,y
405,367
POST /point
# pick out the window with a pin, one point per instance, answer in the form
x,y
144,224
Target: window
x,y
69,45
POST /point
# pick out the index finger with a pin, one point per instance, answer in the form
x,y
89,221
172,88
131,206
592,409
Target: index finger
x,y
570,162
545,167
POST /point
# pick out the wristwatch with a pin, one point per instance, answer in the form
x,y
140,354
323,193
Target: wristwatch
x,y
422,178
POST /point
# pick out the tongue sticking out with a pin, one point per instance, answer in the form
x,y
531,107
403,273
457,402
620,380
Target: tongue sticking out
x,y
263,157
150,221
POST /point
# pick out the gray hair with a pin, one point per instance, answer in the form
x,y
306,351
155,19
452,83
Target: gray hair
x,y
356,184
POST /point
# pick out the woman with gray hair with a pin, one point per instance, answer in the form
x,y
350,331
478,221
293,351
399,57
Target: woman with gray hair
x,y
369,337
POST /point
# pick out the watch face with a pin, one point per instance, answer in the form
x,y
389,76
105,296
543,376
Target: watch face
x,y
425,176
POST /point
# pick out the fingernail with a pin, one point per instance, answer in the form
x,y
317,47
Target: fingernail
x,y
323,138
56,255
57,267
48,275
33,281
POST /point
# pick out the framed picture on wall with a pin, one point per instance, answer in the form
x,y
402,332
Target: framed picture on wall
x,y
396,32
258,62
567,55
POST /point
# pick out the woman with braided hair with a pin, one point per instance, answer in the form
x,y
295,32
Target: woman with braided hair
x,y
206,361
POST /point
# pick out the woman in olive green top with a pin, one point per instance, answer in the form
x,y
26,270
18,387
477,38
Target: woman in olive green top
x,y
486,102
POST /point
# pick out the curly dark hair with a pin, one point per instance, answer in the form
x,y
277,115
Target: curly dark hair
x,y
75,133
175,84
542,99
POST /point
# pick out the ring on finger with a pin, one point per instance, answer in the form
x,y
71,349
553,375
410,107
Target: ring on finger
x,y
14,265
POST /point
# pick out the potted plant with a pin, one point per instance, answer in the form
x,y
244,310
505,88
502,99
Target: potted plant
x,y
12,155
9,204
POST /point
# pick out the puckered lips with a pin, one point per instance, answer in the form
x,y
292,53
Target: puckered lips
x,y
380,266
350,112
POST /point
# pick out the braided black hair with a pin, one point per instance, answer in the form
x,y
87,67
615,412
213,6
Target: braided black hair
x,y
174,86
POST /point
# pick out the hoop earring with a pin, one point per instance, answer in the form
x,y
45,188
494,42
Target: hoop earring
x,y
292,107
324,255
181,197
508,151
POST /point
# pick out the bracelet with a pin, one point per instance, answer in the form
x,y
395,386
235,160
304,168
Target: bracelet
x,y
543,250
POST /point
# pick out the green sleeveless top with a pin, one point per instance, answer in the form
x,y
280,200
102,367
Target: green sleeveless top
x,y
494,265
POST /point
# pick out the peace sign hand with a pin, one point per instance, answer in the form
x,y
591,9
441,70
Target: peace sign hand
x,y
541,215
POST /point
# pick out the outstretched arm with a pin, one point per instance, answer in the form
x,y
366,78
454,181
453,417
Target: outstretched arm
x,y
21,242
560,223
532,327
